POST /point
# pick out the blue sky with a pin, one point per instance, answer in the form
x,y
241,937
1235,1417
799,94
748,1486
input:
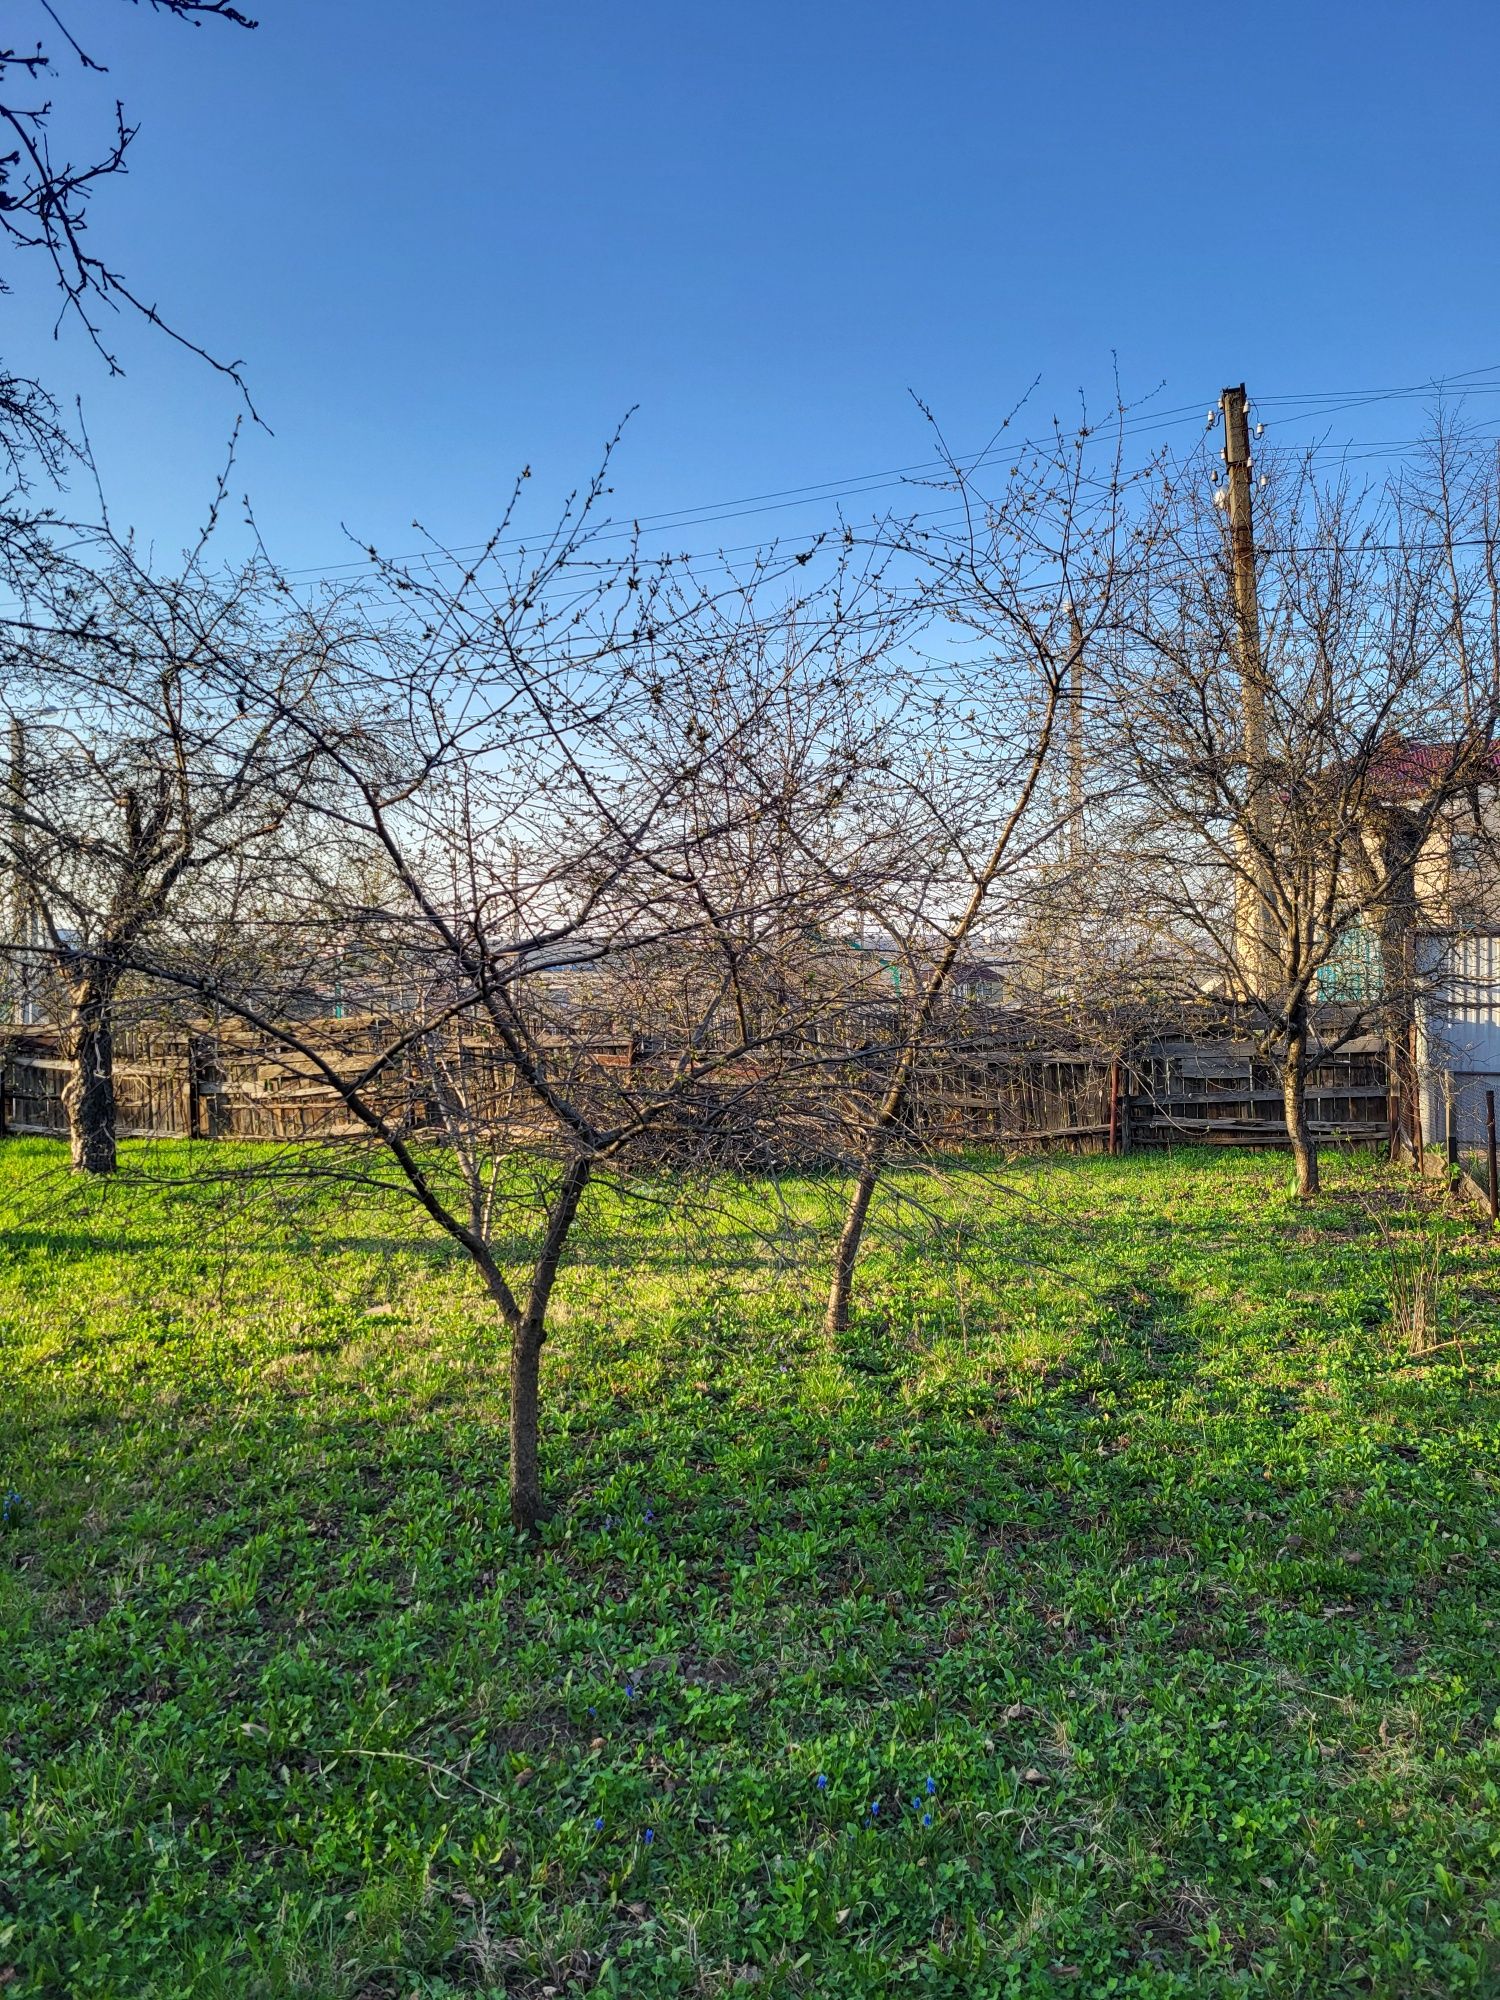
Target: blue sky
x,y
455,240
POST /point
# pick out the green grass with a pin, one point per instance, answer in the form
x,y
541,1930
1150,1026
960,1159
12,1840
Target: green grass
x,y
1122,1540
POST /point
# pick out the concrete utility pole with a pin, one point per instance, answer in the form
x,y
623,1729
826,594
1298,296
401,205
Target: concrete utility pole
x,y
1075,737
1253,935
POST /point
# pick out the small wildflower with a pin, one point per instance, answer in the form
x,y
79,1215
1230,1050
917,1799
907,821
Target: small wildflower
x,y
822,1781
649,1835
927,1819
649,1515
874,1807
599,1824
593,1710
931,1786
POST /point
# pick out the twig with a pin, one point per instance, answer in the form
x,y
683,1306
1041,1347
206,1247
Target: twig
x,y
428,1765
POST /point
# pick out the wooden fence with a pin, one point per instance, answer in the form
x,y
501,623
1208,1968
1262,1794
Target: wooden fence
x,y
179,1085
184,1087
1161,1092
1222,1093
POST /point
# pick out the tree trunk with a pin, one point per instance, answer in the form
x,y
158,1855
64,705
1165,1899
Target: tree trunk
x,y
893,1104
89,1093
836,1319
525,1425
1385,864
1294,1096
1404,1086
1395,934
526,1340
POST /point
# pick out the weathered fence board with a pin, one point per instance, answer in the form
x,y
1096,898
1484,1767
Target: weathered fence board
x,y
1163,1093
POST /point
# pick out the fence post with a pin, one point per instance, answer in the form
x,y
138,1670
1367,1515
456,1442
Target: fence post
x,y
1114,1107
1395,1107
1489,1136
194,1095
4,1087
1124,1108
1450,1122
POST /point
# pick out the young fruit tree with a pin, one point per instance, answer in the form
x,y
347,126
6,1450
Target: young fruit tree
x,y
1295,724
1011,598
578,846
143,794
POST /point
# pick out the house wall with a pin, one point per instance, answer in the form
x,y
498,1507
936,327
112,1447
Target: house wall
x,y
1458,1034
1456,880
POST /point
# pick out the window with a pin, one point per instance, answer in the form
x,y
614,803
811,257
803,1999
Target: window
x,y
1463,852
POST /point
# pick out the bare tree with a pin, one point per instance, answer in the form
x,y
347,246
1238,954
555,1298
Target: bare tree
x,y
1426,805
45,199
46,202
599,803
1012,596
144,793
1260,851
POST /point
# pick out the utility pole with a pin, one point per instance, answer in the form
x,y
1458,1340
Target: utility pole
x,y
1252,891
1075,737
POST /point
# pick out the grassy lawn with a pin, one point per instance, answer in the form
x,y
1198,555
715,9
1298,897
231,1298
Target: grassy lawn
x,y
1113,1611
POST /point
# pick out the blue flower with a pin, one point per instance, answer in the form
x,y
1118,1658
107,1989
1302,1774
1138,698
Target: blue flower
x,y
874,1807
599,1824
649,1515
931,1786
649,1835
593,1711
822,1781
927,1819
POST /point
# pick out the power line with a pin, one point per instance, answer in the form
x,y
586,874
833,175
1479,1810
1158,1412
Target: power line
x,y
852,486
1319,403
855,486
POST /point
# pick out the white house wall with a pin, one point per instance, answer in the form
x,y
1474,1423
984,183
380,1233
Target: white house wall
x,y
1458,1035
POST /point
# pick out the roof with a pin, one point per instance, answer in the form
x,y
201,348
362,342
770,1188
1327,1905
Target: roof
x,y
1407,770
